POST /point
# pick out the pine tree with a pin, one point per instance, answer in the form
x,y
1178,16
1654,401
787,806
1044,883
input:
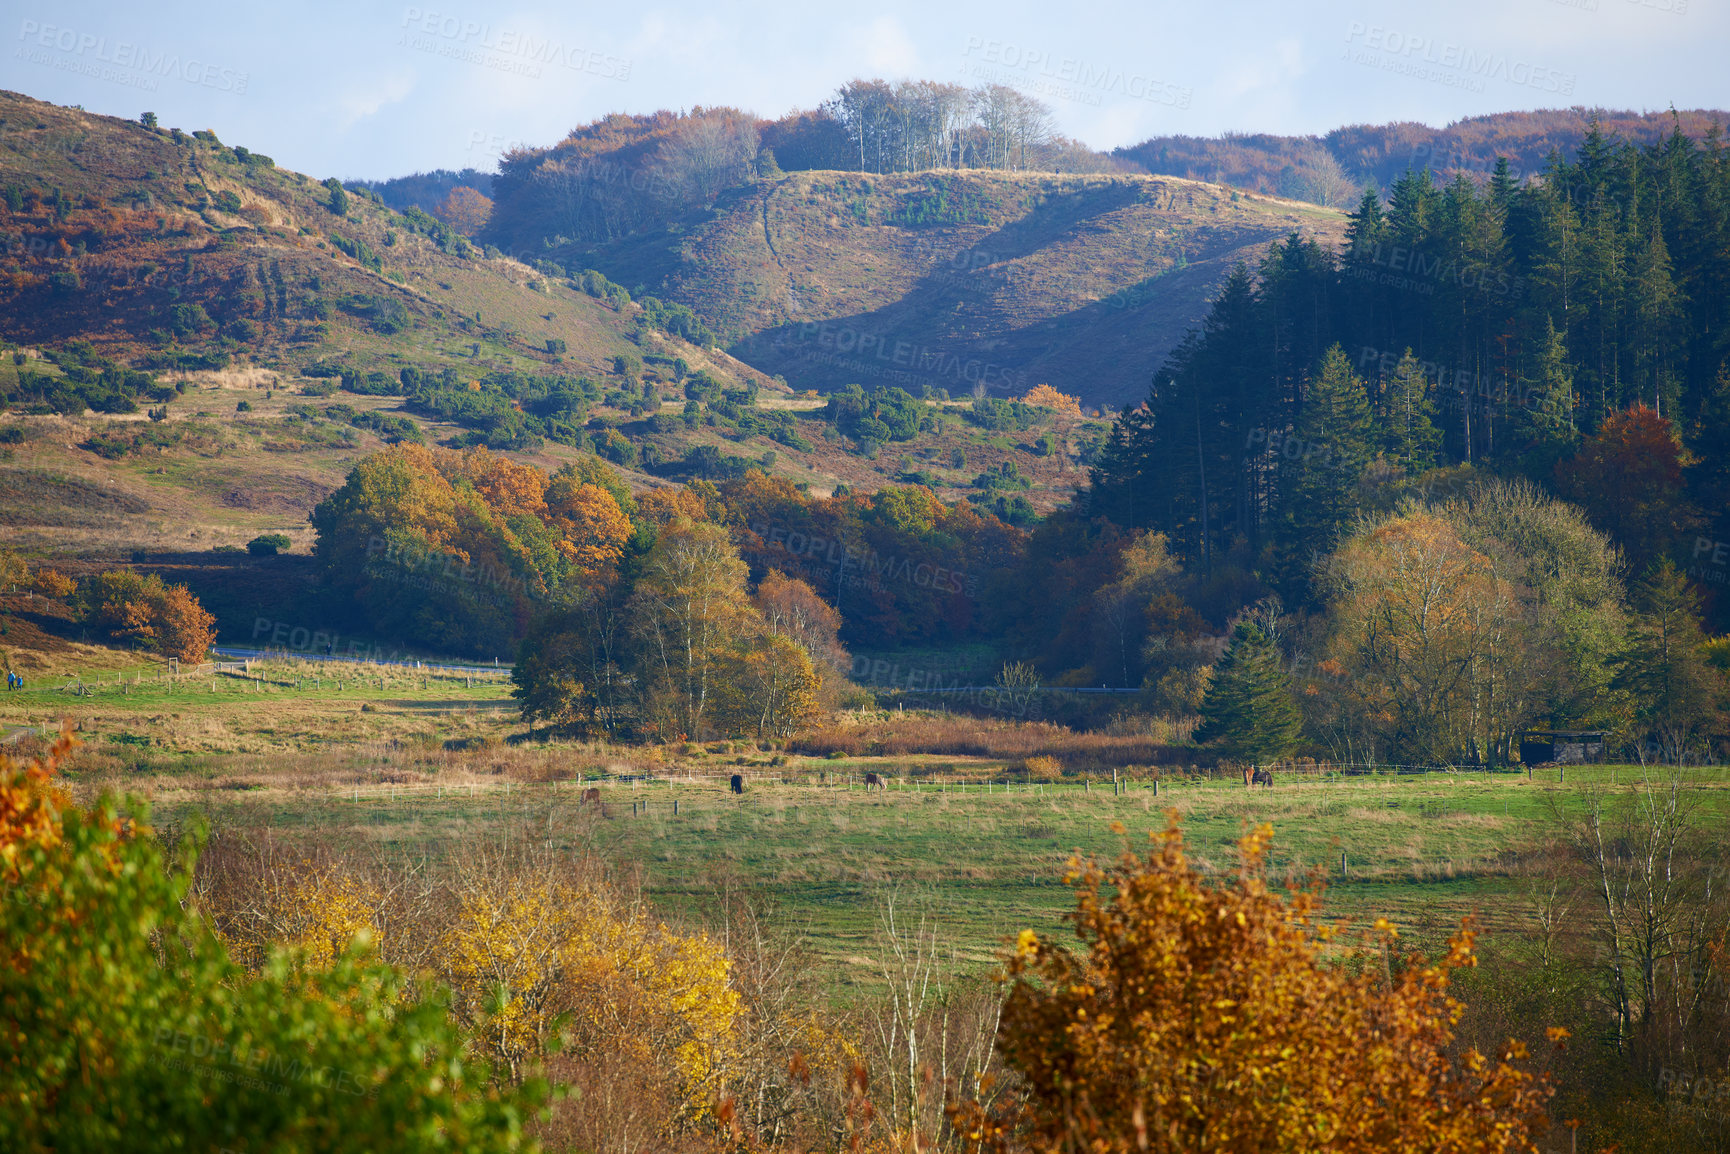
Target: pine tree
x,y
1248,711
1366,229
1551,431
1409,432
1325,456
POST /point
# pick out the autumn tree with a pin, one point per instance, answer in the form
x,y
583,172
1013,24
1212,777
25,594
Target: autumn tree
x,y
689,607
792,609
592,528
1047,397
1214,1016
1128,611
1628,477
765,687
14,569
1416,619
465,210
143,609
127,1025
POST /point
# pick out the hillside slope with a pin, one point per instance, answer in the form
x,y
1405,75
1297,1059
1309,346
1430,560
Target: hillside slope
x,y
1338,165
107,226
232,301
958,279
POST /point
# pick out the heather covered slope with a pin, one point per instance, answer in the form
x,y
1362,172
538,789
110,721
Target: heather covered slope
x,y
1334,168
953,279
112,232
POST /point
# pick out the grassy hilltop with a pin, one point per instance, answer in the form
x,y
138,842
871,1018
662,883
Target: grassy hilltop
x,y
1084,282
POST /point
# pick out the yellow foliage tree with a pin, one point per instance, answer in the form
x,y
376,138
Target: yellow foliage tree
x,y
31,802
593,529
1426,629
765,686
1049,398
317,910
53,584
526,950
1203,1017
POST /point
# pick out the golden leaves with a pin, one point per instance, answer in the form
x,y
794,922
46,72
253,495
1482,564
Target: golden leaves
x,y
1193,1001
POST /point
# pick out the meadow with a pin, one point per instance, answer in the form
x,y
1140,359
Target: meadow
x,y
400,762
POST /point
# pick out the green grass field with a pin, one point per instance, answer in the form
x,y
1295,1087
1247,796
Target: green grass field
x,y
422,766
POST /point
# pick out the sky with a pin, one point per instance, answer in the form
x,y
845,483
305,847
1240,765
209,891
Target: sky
x,y
372,89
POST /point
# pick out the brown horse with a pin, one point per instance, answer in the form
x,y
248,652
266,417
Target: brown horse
x,y
875,781
590,796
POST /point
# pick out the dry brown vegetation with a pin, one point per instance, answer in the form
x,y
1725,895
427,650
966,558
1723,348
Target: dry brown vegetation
x,y
907,734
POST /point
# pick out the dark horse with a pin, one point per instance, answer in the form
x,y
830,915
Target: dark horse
x,y
738,783
1262,777
875,781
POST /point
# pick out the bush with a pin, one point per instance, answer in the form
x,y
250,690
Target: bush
x,y
1190,1000
129,1026
268,545
53,584
1042,768
167,619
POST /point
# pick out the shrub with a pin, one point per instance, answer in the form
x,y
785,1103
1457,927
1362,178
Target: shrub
x,y
268,544
1205,1016
128,1025
129,606
1043,768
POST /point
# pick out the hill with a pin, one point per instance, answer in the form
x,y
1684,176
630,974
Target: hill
x,y
202,344
1334,169
951,280
115,230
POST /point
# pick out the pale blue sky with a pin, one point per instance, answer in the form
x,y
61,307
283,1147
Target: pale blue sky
x,y
377,89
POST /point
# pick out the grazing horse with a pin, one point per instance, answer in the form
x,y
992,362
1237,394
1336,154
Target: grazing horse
x,y
738,783
1263,777
590,795
875,781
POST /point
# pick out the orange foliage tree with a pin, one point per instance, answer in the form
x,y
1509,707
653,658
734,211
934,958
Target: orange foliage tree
x,y
465,210
1204,1017
142,608
1628,476
593,528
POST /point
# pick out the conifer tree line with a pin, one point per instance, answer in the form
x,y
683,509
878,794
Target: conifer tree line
x,y
1498,326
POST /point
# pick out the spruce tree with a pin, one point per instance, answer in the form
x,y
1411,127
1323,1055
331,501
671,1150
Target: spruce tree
x,y
1548,408
1409,433
1248,712
1323,460
1673,694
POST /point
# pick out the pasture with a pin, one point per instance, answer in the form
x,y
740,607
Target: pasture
x,y
422,765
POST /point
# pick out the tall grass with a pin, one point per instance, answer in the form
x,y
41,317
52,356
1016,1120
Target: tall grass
x,y
1015,741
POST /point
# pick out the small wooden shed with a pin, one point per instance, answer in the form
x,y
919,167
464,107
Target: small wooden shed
x,y
1563,746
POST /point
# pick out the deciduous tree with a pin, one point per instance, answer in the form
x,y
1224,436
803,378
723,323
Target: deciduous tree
x,y
1207,1016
